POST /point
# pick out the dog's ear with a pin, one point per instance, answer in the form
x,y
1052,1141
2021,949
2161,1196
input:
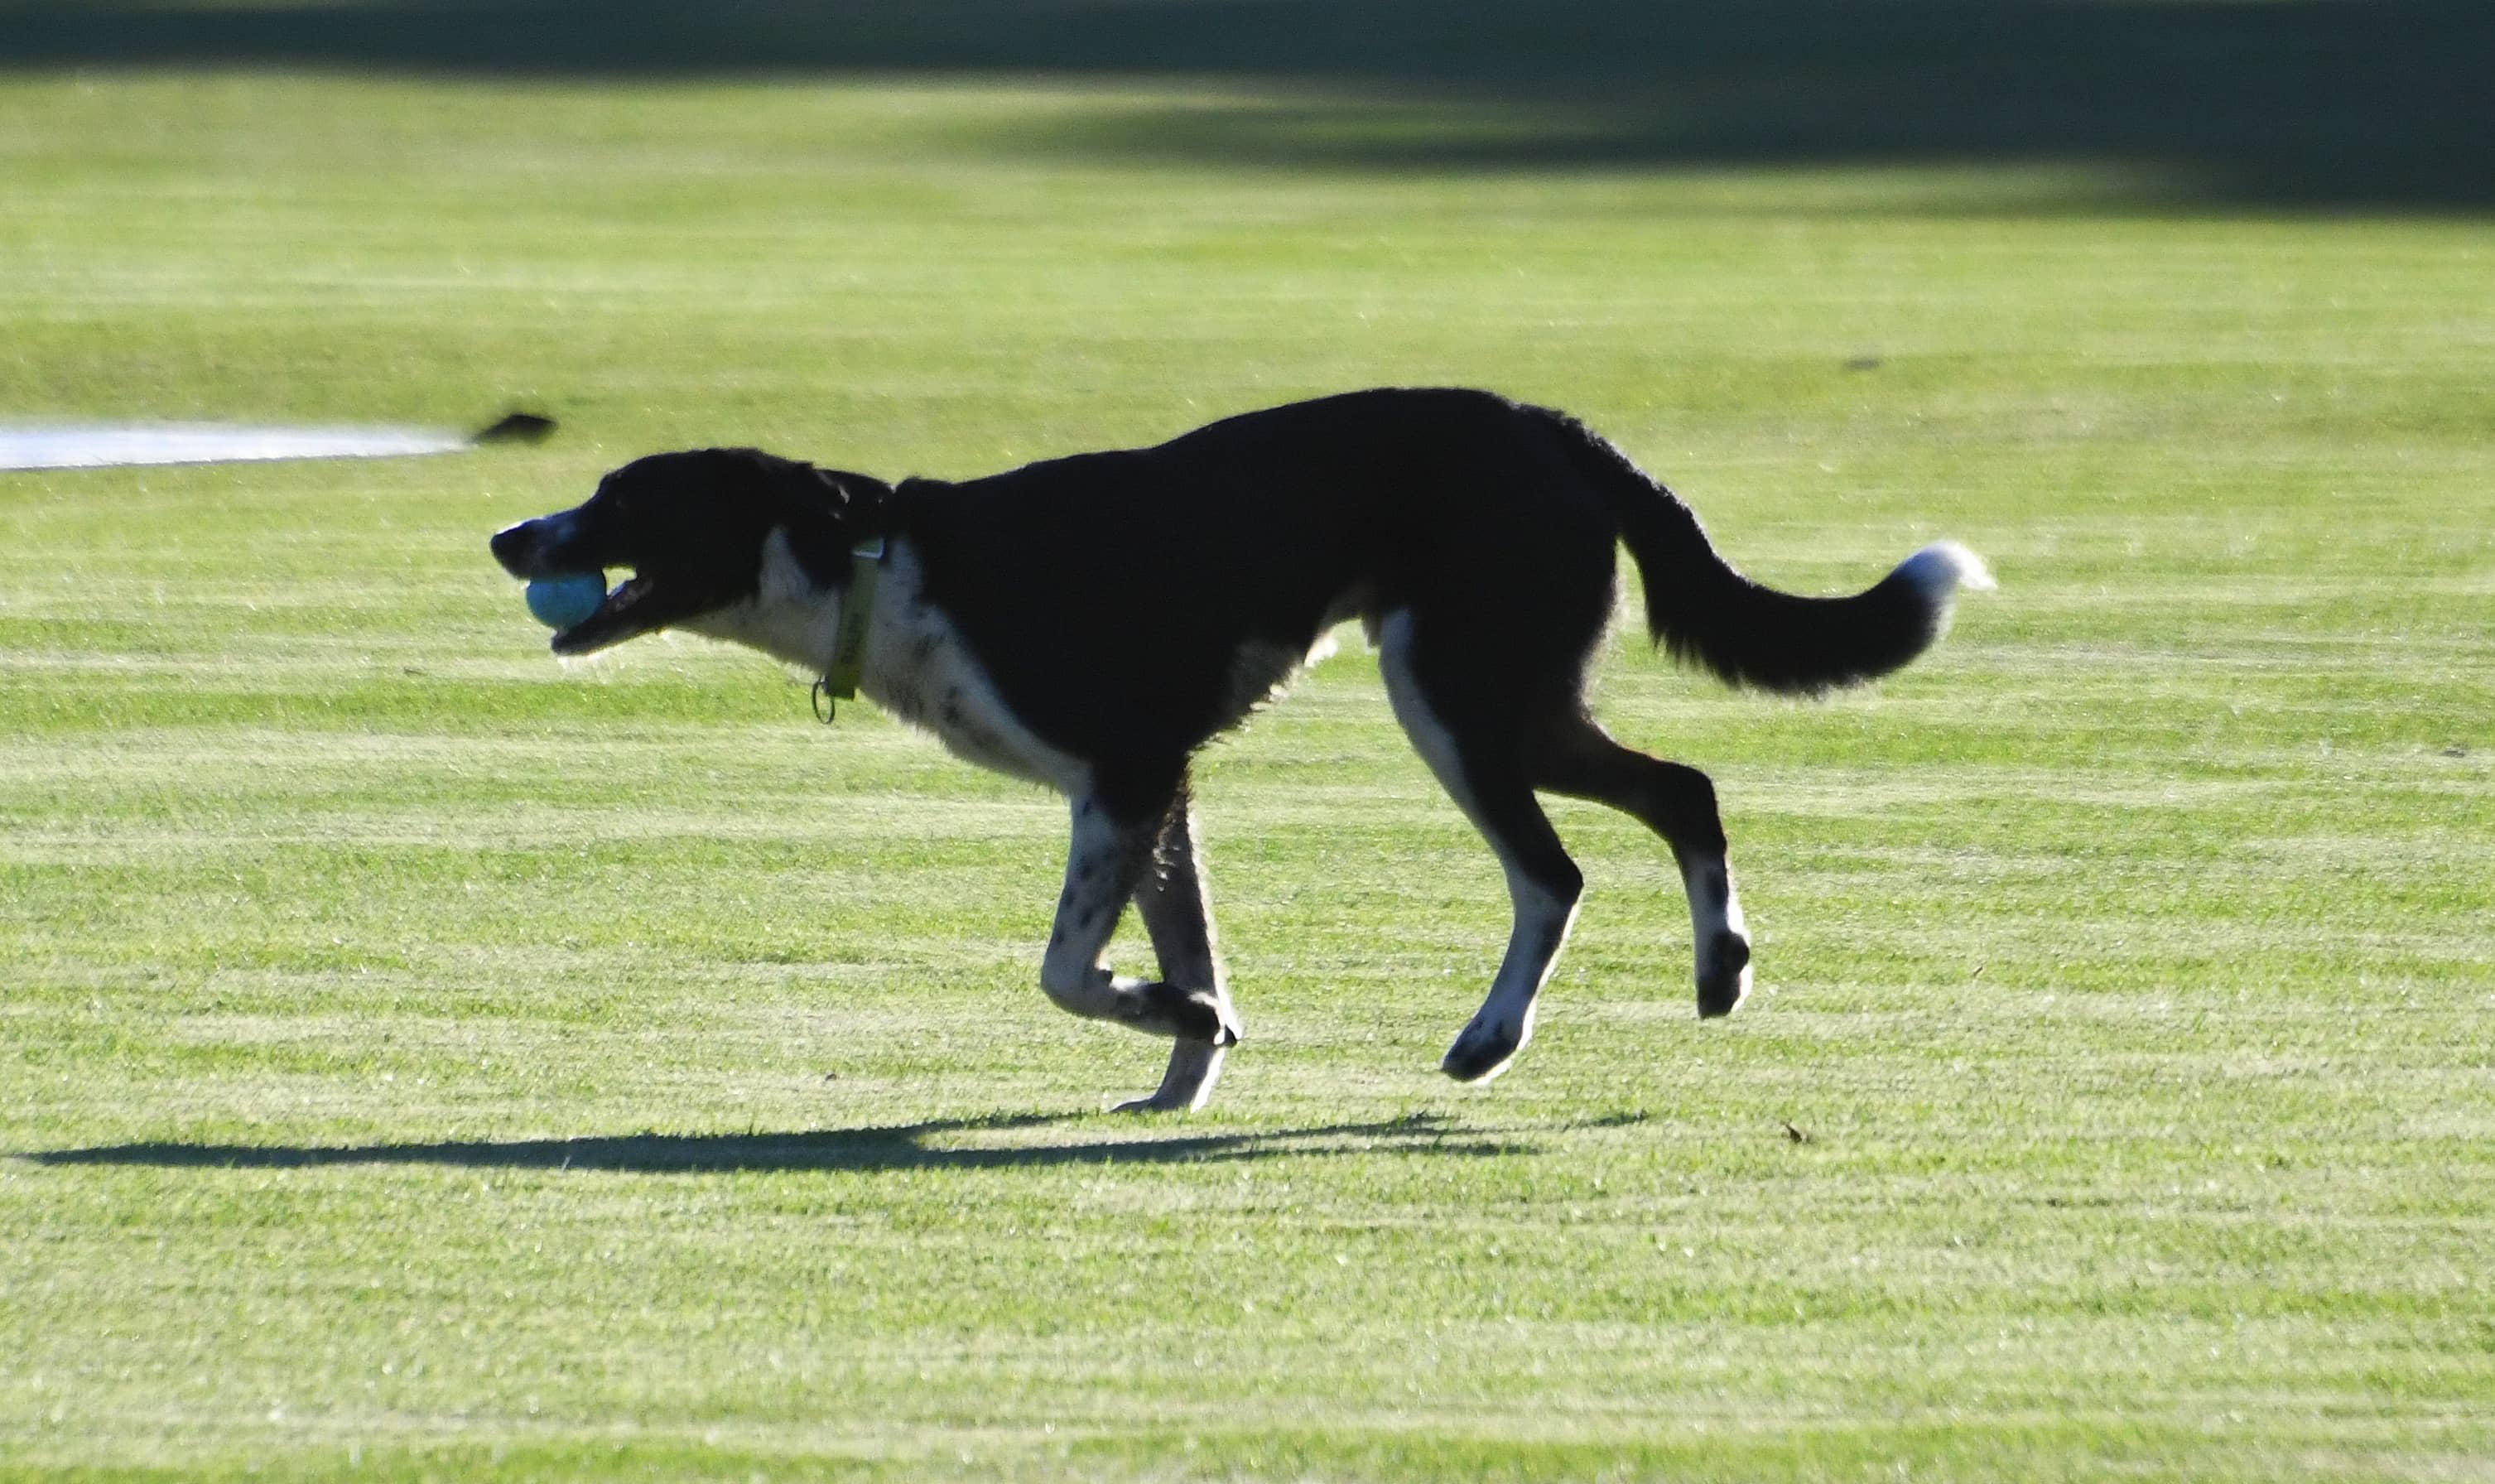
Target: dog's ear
x,y
827,512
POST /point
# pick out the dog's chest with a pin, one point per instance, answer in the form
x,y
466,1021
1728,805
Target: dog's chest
x,y
919,670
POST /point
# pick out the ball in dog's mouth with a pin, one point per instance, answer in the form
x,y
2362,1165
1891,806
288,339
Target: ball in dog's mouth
x,y
565,599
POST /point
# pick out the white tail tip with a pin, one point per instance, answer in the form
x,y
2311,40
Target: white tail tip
x,y
1942,568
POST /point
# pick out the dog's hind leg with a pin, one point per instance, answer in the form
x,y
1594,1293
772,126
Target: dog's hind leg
x,y
1576,758
1111,856
1480,766
1175,903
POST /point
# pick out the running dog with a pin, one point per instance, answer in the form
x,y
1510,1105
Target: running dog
x,y
1089,623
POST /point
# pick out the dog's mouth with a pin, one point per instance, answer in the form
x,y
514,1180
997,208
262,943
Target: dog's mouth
x,y
631,609
673,587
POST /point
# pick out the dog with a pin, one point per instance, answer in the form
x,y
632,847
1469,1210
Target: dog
x,y
1089,623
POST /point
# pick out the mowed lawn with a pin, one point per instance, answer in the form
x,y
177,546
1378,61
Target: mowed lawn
x,y
420,1056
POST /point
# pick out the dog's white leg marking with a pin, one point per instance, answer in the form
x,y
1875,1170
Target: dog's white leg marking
x,y
1677,802
1720,933
1545,911
1504,1023
1105,865
1087,917
1176,903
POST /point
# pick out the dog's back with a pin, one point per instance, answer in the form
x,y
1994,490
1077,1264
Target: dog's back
x,y
1115,593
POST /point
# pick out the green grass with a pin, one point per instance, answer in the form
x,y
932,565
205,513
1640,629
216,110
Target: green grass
x,y
420,1056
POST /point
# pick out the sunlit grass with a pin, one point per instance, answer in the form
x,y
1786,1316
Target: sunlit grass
x,y
421,1055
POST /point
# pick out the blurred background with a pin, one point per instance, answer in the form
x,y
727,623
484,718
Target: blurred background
x,y
2313,103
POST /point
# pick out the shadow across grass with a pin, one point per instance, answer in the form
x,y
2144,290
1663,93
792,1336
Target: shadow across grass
x,y
2290,103
901,1147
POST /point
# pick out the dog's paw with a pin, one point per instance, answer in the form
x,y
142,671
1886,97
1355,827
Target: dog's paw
x,y
1193,1068
1163,1101
1723,975
1484,1048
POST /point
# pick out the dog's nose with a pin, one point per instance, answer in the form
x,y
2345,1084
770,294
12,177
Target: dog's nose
x,y
515,546
539,547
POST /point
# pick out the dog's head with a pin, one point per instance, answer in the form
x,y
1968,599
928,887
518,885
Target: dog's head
x,y
694,528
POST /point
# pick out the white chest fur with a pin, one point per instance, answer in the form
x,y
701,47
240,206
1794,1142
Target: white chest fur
x,y
918,668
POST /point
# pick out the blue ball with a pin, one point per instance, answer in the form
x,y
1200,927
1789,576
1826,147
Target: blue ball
x,y
558,603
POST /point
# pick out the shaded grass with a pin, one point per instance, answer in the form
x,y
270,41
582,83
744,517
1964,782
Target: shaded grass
x,y
2301,104
421,1055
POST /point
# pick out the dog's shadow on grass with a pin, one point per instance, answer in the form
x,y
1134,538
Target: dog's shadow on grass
x,y
962,1143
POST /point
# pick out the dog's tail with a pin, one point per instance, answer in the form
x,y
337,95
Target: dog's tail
x,y
1708,613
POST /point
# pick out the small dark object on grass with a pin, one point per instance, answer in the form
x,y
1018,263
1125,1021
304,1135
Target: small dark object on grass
x,y
517,428
1864,363
1797,1136
2456,751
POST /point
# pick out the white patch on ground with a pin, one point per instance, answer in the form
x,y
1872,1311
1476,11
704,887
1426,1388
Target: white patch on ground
x,y
104,446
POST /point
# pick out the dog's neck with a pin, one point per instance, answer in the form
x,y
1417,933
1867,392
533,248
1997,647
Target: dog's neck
x,y
790,616
917,668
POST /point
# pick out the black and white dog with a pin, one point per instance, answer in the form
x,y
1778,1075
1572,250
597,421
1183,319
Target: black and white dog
x,y
1089,623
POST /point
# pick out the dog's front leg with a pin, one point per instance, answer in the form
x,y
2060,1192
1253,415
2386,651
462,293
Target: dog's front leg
x,y
1109,861
1176,904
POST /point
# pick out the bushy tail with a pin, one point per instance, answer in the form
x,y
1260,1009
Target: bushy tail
x,y
1706,613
